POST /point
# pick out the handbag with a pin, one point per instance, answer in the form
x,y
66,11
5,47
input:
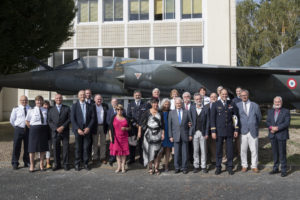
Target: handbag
x,y
132,140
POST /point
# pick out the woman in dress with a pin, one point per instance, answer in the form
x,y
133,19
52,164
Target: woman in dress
x,y
152,122
118,135
167,144
36,121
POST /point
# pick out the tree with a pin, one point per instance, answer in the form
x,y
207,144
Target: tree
x,y
273,27
32,28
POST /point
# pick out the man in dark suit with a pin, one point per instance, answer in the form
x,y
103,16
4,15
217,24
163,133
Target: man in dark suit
x,y
134,110
180,133
278,122
88,96
99,129
211,143
82,118
59,121
237,98
200,127
223,127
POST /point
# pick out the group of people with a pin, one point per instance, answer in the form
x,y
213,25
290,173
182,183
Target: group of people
x,y
192,131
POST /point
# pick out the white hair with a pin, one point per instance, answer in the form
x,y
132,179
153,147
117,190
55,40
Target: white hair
x,y
279,97
164,101
155,89
186,93
178,98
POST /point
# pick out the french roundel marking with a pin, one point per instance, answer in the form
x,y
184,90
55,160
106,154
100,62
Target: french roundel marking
x,y
291,83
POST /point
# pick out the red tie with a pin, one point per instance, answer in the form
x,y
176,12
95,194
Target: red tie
x,y
186,106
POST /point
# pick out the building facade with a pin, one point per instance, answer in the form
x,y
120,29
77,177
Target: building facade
x,y
195,31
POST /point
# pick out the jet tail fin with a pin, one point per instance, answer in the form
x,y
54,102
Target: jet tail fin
x,y
289,59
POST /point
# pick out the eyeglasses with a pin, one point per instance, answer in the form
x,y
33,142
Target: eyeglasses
x,y
119,109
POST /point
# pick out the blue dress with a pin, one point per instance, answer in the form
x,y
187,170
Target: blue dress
x,y
166,142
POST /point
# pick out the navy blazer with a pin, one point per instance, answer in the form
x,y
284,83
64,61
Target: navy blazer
x,y
204,118
95,125
221,118
77,117
283,123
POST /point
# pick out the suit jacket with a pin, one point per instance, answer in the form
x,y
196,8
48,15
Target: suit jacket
x,y
77,117
179,131
249,123
95,125
221,118
56,119
204,119
283,123
134,114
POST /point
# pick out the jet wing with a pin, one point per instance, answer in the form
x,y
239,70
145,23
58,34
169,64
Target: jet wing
x,y
219,69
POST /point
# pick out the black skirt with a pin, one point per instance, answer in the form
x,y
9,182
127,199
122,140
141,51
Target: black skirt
x,y
38,138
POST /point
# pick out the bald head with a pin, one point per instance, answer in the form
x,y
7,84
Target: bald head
x,y
98,99
58,99
81,95
23,100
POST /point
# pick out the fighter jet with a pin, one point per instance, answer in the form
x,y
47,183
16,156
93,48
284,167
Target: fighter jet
x,y
120,76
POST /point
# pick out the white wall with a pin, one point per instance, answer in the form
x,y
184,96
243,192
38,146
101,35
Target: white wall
x,y
220,32
9,101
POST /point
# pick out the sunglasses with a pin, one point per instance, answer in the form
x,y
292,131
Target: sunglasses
x,y
119,109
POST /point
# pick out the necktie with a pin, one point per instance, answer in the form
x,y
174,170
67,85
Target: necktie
x,y
25,111
245,108
58,109
42,117
276,114
137,103
224,103
179,117
186,106
83,111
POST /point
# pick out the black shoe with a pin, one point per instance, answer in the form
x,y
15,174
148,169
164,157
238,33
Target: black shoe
x,y
218,171
230,172
177,171
56,167
15,167
26,165
274,172
86,167
111,163
66,168
196,170
77,168
185,171
283,174
204,170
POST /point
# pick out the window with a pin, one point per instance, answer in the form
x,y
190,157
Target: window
x,y
62,57
191,54
138,9
113,52
68,56
142,53
87,10
168,53
164,9
87,52
113,10
57,58
191,9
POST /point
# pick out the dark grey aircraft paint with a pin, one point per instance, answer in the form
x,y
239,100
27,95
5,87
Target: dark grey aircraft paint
x,y
120,76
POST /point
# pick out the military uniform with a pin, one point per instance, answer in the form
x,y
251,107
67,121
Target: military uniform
x,y
223,125
134,113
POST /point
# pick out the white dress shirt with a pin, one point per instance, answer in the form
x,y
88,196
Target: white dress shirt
x,y
172,107
206,100
17,116
34,117
188,106
100,114
198,110
246,105
58,107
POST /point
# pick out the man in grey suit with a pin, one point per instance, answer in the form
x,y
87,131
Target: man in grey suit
x,y
180,133
250,116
